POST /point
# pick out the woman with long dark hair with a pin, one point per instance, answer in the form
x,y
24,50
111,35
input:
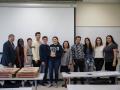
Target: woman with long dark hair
x,y
88,51
98,51
20,56
110,56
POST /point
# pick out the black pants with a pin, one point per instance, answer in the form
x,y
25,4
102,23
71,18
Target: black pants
x,y
79,67
99,63
109,67
36,64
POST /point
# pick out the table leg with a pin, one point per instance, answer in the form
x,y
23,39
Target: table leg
x,y
116,80
69,80
23,83
35,84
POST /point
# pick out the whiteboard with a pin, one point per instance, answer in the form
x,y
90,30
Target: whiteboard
x,y
23,22
93,32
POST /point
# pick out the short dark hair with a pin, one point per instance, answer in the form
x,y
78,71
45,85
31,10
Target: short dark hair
x,y
55,37
44,37
11,35
37,33
29,39
77,37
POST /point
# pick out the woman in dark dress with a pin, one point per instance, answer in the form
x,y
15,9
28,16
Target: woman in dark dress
x,y
20,57
110,56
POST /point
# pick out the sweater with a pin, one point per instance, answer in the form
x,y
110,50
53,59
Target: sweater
x,y
57,49
44,52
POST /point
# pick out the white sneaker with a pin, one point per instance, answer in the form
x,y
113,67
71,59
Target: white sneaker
x,y
50,85
56,85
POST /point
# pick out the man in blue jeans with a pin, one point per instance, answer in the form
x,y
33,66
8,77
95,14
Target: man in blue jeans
x,y
44,57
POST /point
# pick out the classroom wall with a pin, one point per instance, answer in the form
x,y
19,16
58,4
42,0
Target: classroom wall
x,y
98,15
94,14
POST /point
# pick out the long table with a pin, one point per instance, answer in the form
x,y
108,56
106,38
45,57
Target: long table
x,y
90,74
40,77
15,88
93,87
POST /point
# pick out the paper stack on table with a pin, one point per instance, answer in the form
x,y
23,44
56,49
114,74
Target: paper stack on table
x,y
28,72
8,72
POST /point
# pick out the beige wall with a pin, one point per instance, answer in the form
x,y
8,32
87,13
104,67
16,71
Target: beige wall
x,y
89,14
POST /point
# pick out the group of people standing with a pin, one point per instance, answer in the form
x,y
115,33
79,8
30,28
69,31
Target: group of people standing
x,y
83,57
88,58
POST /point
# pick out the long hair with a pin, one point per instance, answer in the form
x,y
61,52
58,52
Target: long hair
x,y
90,45
18,42
101,43
112,39
20,48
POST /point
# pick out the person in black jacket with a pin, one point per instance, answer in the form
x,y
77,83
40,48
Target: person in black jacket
x,y
8,57
55,60
44,57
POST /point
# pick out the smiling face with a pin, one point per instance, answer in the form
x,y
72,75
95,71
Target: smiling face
x,y
45,40
66,44
29,42
55,40
77,41
98,41
87,41
38,36
109,39
21,42
11,38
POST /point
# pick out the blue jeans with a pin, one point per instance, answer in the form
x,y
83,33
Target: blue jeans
x,y
89,64
44,69
54,69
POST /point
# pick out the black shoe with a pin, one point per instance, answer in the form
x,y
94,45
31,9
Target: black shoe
x,y
74,82
43,84
28,84
64,85
82,82
46,82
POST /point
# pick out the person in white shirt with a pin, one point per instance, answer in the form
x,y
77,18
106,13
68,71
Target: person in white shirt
x,y
35,50
99,58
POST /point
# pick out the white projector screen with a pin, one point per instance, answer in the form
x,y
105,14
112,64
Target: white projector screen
x,y
24,22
